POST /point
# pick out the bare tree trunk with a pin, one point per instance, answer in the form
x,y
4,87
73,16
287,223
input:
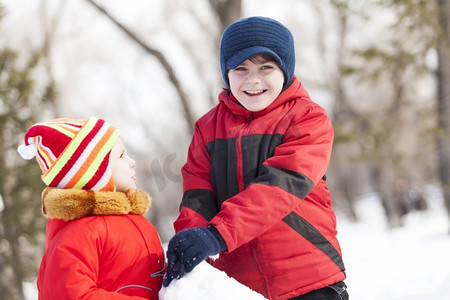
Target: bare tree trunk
x,y
383,177
162,60
228,11
341,108
443,99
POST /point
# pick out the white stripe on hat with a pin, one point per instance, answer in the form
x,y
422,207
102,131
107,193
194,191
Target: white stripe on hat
x,y
84,156
103,181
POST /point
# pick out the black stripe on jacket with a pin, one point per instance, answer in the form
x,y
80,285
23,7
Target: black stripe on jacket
x,y
256,149
310,233
223,168
290,181
201,201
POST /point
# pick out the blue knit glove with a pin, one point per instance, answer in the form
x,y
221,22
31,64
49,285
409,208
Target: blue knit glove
x,y
190,247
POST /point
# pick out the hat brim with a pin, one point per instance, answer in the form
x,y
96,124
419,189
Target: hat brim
x,y
246,53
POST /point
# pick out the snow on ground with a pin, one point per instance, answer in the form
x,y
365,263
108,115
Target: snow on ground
x,y
411,262
407,263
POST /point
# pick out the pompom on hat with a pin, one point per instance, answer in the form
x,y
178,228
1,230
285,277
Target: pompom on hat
x,y
253,36
72,153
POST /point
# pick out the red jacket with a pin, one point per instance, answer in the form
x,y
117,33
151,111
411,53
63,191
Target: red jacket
x,y
99,257
259,178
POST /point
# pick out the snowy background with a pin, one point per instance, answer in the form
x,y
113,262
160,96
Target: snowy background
x,y
407,263
94,63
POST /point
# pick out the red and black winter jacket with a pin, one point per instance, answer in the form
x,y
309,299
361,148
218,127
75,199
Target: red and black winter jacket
x,y
259,178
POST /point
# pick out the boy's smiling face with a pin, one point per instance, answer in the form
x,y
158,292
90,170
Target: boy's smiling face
x,y
256,83
122,167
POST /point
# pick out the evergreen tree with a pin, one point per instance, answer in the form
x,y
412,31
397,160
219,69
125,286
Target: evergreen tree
x,y
22,225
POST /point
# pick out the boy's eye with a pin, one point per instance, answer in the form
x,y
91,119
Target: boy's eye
x,y
266,67
239,68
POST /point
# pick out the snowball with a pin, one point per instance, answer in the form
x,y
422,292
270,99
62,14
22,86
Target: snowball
x,y
205,283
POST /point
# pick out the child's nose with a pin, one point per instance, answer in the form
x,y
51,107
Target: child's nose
x,y
253,77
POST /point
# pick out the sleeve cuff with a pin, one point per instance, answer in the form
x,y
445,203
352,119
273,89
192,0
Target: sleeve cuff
x,y
215,232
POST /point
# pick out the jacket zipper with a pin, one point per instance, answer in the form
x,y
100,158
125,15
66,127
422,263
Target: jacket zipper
x,y
239,159
240,175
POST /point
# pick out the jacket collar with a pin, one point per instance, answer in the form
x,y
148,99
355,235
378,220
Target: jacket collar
x,y
294,91
70,204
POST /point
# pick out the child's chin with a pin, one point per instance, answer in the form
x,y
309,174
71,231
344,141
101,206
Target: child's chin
x,y
125,189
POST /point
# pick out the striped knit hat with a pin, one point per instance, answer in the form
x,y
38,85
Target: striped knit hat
x,y
72,153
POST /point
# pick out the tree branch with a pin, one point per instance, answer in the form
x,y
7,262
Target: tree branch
x,y
162,60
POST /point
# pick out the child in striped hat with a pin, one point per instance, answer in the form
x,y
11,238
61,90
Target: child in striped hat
x,y
98,243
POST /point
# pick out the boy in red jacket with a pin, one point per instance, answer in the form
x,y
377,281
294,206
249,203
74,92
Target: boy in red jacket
x,y
254,182
98,243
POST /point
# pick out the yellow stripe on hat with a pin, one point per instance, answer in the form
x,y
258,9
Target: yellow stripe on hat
x,y
104,150
43,158
46,157
69,151
86,159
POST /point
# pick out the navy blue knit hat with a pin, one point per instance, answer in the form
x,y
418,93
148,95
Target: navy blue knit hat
x,y
257,35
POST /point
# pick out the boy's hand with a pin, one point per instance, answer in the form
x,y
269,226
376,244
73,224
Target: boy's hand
x,y
190,247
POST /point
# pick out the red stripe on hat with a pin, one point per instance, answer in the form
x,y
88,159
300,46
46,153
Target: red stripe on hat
x,y
94,156
98,125
98,174
42,162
